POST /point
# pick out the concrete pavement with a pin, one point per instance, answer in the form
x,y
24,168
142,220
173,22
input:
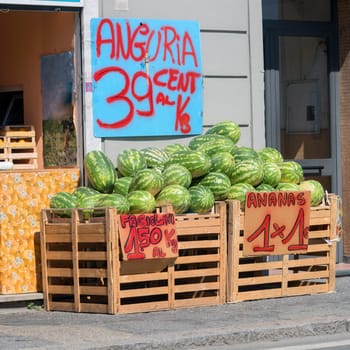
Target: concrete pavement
x,y
270,319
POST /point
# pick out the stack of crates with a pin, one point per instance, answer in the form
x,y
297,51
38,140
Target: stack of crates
x,y
17,145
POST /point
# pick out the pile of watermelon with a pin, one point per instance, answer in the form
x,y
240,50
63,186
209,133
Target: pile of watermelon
x,y
211,167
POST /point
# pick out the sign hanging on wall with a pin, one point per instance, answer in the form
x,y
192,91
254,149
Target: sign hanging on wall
x,y
276,223
146,77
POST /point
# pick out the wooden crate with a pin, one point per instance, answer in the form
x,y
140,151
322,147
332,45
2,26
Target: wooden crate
x,y
195,278
252,278
19,146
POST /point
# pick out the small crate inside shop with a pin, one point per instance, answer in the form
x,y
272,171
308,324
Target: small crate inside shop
x,y
20,146
261,277
83,270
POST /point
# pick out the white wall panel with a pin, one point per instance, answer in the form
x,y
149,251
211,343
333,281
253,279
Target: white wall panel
x,y
218,14
226,99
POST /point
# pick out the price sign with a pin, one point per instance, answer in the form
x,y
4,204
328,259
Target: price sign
x,y
146,77
276,223
148,236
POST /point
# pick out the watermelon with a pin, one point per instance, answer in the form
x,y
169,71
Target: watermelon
x,y
155,157
271,155
87,203
198,163
147,180
114,200
226,128
215,146
247,171
291,171
130,161
100,171
141,201
176,195
265,188
199,140
176,174
83,191
245,153
218,183
122,185
288,186
238,192
202,199
272,174
222,162
62,200
175,147
316,189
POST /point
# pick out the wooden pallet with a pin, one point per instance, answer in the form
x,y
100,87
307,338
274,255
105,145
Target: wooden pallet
x,y
261,277
82,271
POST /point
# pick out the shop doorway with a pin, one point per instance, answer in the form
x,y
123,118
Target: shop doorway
x,y
301,66
41,55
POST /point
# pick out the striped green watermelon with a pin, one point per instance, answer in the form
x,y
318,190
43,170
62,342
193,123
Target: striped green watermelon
x,y
155,157
222,162
291,171
176,174
122,185
245,153
270,154
199,140
176,195
202,199
62,200
87,203
175,147
83,191
238,192
196,162
247,171
141,201
215,146
147,180
218,183
226,128
316,189
265,188
288,186
130,161
114,200
272,174
100,171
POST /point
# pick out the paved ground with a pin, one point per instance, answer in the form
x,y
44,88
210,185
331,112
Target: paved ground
x,y
32,328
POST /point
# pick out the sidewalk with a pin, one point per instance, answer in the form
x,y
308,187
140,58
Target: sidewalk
x,y
270,319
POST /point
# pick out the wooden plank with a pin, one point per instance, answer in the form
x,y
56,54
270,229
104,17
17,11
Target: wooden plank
x,y
299,276
144,307
93,290
251,281
194,287
143,277
181,260
198,273
198,244
203,301
60,289
141,292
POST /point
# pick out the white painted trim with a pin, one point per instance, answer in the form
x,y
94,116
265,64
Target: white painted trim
x,y
43,3
256,53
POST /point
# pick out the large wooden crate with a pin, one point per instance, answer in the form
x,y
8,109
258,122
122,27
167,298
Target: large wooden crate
x,y
83,271
260,277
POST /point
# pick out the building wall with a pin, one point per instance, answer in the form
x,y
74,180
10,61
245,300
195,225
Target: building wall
x,y
344,99
232,56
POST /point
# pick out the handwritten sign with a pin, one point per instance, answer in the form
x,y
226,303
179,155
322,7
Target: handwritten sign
x,y
148,236
276,223
146,77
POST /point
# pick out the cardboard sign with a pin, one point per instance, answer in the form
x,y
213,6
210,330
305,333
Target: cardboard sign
x,y
146,77
276,223
148,236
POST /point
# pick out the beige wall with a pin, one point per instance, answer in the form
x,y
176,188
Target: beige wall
x,y
24,38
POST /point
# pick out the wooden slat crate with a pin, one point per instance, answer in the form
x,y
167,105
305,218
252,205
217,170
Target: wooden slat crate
x,y
195,278
19,146
252,278
77,261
